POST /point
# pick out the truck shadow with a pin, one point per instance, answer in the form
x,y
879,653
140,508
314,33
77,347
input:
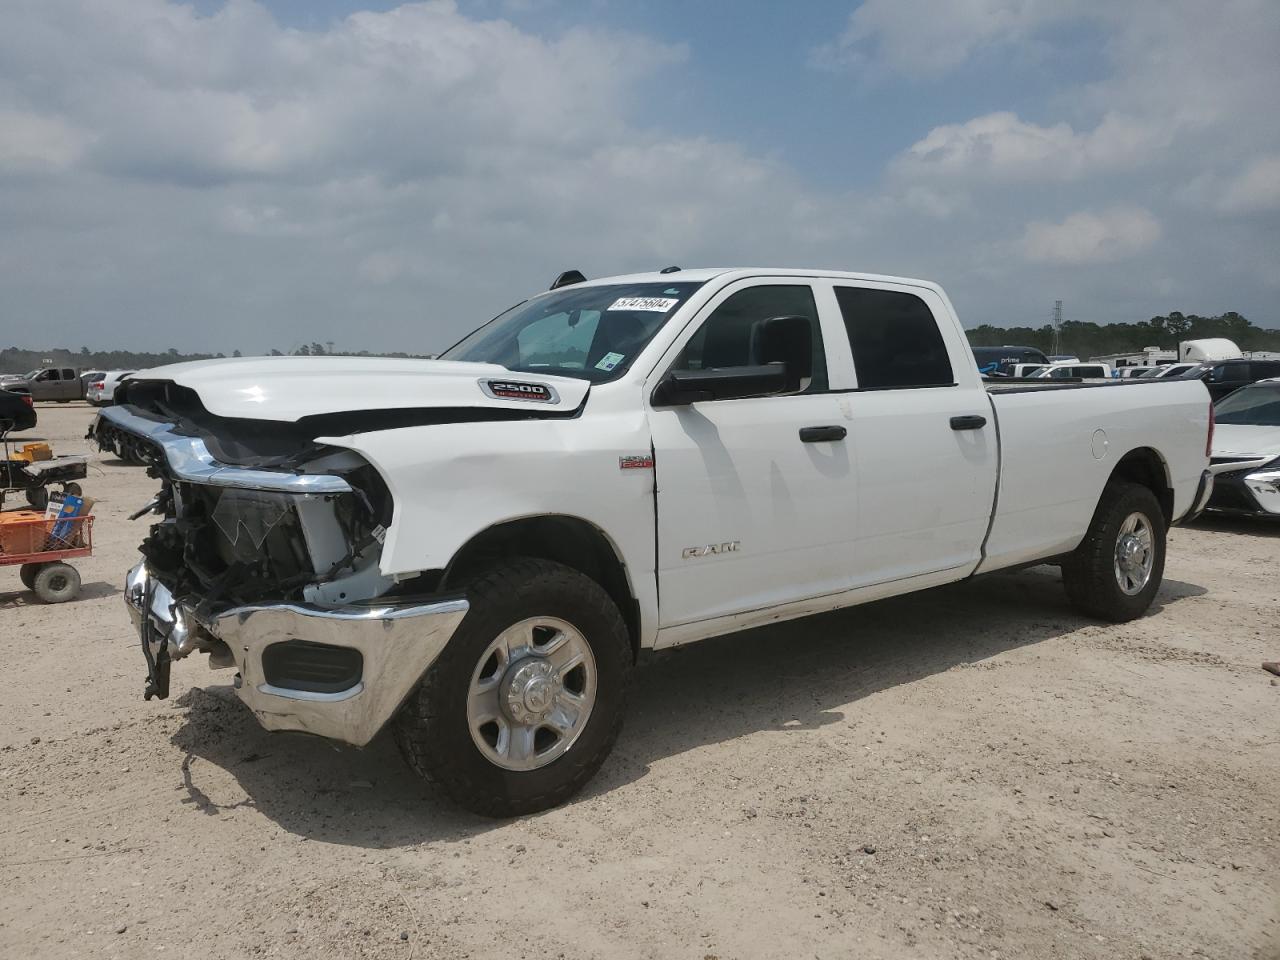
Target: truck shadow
x,y
798,675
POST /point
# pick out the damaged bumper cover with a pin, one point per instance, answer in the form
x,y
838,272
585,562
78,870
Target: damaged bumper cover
x,y
337,672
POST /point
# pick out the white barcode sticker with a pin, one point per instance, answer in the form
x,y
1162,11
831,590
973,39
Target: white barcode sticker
x,y
656,304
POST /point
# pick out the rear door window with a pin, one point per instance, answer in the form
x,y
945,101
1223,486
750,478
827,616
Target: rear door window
x,y
895,340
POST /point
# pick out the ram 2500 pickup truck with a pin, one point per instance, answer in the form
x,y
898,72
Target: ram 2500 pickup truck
x,y
474,550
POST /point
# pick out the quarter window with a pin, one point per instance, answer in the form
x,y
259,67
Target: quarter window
x,y
895,340
763,325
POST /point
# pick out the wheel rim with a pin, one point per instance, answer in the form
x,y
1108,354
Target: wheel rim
x,y
531,693
1135,554
58,582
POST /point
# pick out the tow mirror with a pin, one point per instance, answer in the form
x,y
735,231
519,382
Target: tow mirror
x,y
681,387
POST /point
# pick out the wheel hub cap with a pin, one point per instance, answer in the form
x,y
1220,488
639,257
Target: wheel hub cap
x,y
529,689
531,693
1135,554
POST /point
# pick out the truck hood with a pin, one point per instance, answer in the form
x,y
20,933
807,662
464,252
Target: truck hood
x,y
1245,440
290,388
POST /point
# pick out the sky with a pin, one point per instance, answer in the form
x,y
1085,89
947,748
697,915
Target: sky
x,y
248,174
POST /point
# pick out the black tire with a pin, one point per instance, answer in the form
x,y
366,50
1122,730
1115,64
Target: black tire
x,y
431,729
27,574
1093,586
57,582
38,497
71,489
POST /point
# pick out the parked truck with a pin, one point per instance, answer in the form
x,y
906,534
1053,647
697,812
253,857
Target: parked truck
x,y
50,383
475,550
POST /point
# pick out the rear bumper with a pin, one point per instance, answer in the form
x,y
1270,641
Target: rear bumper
x,y
396,645
1204,491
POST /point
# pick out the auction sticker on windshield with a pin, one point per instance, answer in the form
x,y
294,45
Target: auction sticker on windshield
x,y
609,361
656,304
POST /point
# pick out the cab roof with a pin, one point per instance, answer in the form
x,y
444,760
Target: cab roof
x,y
703,274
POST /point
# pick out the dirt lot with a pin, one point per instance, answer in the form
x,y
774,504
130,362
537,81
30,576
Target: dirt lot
x,y
972,772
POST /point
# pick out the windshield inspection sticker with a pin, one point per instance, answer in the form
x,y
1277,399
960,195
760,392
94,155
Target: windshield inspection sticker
x,y
609,361
656,304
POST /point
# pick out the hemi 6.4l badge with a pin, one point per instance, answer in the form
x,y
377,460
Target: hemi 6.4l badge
x,y
710,550
519,390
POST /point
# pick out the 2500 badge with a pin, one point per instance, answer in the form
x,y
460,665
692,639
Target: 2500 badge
x,y
519,390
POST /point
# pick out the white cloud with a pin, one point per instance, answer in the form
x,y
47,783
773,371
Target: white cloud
x,y
1089,238
1000,146
32,142
1256,190
925,37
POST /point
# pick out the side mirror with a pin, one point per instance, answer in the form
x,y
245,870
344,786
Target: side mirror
x,y
681,387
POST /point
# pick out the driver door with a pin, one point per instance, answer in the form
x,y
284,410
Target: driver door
x,y
755,496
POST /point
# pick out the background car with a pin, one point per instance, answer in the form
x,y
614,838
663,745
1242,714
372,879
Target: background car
x,y
17,412
1246,451
1069,371
999,361
86,378
1223,377
1130,373
102,390
1176,369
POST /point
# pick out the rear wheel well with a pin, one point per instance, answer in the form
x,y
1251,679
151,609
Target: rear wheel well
x,y
1146,467
568,540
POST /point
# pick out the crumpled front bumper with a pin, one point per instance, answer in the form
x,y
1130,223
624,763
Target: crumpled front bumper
x,y
396,644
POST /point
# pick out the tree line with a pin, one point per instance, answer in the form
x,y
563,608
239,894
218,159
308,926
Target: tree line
x,y
1079,338
1084,339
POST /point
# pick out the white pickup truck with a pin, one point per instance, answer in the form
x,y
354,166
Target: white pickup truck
x,y
475,549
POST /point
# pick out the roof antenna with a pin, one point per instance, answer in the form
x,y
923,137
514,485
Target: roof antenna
x,y
566,278
669,270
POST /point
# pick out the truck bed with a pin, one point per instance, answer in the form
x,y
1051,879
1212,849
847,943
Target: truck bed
x,y
1007,385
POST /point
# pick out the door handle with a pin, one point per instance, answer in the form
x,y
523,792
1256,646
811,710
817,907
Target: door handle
x,y
819,434
968,423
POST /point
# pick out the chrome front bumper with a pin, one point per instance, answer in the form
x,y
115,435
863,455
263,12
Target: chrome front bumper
x,y
397,645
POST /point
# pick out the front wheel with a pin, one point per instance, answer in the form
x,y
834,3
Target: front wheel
x,y
526,701
1116,571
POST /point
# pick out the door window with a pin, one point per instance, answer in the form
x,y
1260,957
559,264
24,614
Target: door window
x,y
895,340
757,326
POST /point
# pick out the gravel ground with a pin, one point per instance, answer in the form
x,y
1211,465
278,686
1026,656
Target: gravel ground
x,y
970,772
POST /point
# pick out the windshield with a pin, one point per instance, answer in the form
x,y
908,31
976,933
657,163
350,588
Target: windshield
x,y
592,333
1258,405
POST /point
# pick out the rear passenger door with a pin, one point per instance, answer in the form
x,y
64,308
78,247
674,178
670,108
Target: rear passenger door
x,y
923,439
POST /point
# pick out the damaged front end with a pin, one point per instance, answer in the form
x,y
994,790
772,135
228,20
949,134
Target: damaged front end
x,y
267,558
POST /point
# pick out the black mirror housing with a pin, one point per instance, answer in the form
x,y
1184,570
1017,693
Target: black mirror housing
x,y
682,387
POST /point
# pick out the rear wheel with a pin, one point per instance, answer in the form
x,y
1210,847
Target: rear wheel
x,y
526,701
56,582
38,497
71,489
1116,571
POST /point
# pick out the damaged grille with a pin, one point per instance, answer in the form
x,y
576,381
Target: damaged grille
x,y
225,546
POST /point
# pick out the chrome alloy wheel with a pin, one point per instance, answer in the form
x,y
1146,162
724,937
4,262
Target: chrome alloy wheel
x,y
531,693
1135,554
